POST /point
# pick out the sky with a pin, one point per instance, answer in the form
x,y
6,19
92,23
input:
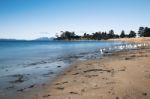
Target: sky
x,y
30,19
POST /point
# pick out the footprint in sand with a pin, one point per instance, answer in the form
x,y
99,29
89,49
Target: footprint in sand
x,y
75,74
144,94
60,88
73,92
45,96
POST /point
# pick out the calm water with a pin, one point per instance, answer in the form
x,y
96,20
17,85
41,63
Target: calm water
x,y
39,61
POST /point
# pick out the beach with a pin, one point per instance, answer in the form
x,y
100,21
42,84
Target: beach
x,y
119,75
74,49
27,66
122,75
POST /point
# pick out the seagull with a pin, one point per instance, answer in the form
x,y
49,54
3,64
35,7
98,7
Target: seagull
x,y
101,51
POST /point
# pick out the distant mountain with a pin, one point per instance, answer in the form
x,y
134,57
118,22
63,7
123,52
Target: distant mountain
x,y
44,39
38,39
10,40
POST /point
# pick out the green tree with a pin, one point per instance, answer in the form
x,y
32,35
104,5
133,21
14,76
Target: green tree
x,y
141,31
122,35
67,35
111,34
97,36
132,34
146,32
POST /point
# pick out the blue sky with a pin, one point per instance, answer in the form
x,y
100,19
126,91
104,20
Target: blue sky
x,y
29,19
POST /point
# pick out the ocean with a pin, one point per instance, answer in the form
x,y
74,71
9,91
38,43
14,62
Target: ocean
x,y
23,63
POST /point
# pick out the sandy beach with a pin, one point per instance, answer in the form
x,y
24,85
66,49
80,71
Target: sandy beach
x,y
122,75
134,40
74,49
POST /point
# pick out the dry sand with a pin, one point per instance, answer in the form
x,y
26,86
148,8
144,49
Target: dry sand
x,y
134,40
123,75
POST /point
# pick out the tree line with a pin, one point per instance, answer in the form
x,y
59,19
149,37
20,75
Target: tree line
x,y
67,35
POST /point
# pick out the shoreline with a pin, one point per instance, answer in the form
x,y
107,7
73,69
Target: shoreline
x,y
108,78
95,78
118,76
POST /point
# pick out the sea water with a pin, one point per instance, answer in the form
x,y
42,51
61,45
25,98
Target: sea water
x,y
23,63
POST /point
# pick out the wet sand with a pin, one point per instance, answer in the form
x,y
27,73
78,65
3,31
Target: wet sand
x,y
122,75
